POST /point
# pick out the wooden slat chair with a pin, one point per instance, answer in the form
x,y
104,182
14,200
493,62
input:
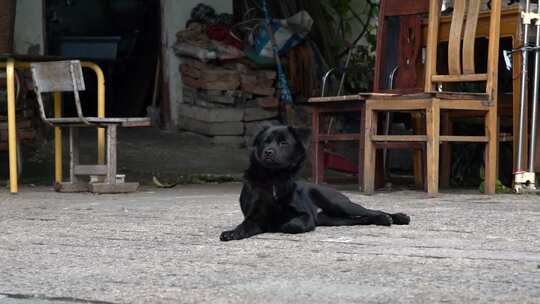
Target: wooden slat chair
x,y
67,76
461,67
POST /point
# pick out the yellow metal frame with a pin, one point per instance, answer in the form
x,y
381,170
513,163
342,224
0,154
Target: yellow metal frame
x,y
10,64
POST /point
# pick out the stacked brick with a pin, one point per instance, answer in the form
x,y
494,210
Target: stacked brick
x,y
227,101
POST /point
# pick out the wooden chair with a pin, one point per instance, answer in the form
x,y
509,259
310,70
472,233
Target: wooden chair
x,y
461,67
66,76
396,19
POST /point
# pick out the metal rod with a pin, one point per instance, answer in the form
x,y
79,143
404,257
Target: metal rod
x,y
523,92
532,144
344,74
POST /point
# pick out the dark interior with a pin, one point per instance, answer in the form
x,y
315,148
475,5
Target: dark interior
x,y
122,36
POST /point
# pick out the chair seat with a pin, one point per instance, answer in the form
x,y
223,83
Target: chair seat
x,y
100,122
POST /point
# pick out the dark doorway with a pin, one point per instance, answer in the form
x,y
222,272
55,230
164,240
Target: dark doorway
x,y
122,36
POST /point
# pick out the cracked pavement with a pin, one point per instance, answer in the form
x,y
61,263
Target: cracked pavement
x,y
161,246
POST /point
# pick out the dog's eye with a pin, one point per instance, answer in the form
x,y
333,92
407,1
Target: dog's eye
x,y
283,144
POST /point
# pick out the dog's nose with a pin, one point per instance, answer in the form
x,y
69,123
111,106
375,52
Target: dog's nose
x,y
269,152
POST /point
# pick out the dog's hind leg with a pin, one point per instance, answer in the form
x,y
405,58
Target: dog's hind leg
x,y
326,220
336,204
400,218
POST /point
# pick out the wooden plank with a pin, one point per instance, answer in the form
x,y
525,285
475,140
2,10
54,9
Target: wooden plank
x,y
90,170
493,50
105,188
469,37
471,139
454,43
399,138
472,105
400,105
459,78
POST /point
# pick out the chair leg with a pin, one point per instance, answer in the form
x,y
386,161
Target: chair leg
x,y
361,149
446,155
490,158
317,166
432,130
73,154
111,154
369,150
417,154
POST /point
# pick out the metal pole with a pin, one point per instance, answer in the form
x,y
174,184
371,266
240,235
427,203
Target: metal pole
x,y
344,74
532,144
523,91
12,133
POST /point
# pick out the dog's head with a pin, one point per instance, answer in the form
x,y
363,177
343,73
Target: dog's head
x,y
280,147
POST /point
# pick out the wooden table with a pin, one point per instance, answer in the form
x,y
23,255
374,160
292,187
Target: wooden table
x,y
12,61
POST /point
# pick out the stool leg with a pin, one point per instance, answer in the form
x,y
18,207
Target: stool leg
x,y
73,154
111,154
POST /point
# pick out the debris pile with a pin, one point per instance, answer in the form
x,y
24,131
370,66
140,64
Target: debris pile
x,y
229,83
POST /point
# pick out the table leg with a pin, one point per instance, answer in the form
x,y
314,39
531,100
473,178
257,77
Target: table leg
x,y
12,131
57,139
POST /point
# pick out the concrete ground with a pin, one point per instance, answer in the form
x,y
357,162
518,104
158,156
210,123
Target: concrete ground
x,y
161,246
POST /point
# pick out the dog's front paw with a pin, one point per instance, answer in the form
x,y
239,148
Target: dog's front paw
x,y
228,236
382,220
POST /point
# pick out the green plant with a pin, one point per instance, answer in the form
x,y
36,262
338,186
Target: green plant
x,y
342,14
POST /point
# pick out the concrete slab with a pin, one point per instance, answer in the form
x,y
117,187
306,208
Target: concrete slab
x,y
161,246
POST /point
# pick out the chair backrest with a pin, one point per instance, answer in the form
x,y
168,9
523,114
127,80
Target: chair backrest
x,y
57,76
398,60
461,46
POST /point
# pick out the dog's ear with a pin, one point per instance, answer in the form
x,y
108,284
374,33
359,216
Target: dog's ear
x,y
256,139
302,135
259,131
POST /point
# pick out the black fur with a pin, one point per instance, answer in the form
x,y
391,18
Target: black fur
x,y
272,201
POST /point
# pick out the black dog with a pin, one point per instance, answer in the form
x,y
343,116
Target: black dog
x,y
273,202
